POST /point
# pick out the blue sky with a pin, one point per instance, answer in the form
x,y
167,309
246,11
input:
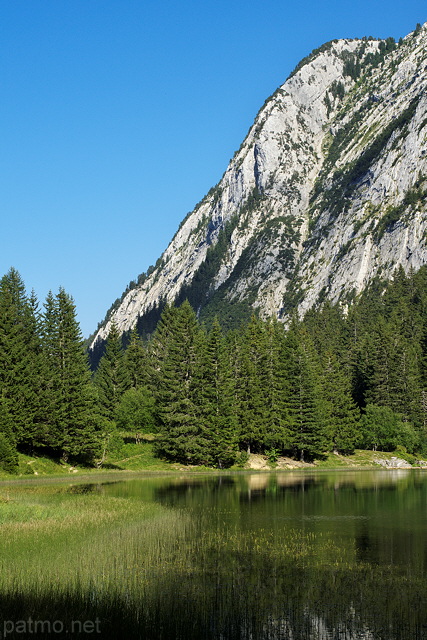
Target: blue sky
x,y
117,118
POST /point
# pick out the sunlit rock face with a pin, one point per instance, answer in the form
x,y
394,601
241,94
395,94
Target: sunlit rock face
x,y
328,189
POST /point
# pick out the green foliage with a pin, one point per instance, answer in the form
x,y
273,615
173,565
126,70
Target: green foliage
x,y
71,406
273,456
136,411
20,360
8,455
242,458
206,395
310,436
182,436
383,430
112,377
217,403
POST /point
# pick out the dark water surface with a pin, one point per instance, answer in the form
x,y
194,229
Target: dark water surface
x,y
327,555
268,556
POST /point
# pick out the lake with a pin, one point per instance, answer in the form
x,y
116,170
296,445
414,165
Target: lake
x,y
282,555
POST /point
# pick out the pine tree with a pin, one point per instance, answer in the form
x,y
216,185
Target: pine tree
x,y
217,400
111,378
178,390
309,429
72,418
19,351
341,412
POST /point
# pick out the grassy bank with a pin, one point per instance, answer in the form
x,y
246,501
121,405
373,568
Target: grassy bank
x,y
134,563
140,457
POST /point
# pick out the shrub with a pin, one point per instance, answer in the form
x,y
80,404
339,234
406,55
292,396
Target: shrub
x,y
382,429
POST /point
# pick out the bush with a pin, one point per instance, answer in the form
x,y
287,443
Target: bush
x,y
242,458
136,411
383,430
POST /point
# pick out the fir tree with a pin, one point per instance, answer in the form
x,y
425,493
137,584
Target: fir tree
x,y
73,418
136,362
111,378
182,437
8,455
253,408
310,437
217,406
19,352
277,418
341,412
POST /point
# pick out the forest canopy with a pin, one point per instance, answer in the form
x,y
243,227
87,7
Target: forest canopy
x,y
341,378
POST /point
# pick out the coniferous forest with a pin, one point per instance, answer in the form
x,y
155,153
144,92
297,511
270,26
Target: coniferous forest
x,y
343,377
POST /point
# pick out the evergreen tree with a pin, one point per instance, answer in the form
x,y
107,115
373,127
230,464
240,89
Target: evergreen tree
x,y
309,430
253,409
111,378
393,376
178,345
72,415
277,418
341,412
136,362
158,347
8,455
19,351
217,400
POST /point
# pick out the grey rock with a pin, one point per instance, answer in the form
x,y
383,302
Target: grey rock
x,y
309,191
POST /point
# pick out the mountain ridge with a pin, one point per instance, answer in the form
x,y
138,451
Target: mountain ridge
x,y
327,190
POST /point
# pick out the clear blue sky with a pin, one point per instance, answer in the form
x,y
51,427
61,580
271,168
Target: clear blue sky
x,y
117,118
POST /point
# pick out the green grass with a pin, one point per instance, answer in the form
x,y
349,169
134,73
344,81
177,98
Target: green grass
x,y
140,457
362,458
88,552
130,457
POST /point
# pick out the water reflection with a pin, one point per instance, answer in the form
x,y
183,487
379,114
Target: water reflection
x,y
298,556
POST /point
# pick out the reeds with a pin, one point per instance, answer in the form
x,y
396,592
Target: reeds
x,y
142,568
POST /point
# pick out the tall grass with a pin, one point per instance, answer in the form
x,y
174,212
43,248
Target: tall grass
x,y
141,569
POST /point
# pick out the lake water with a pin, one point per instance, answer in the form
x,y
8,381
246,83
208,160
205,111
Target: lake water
x,y
293,555
267,556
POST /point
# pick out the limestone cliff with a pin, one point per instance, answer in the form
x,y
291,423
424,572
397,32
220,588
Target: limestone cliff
x,y
328,189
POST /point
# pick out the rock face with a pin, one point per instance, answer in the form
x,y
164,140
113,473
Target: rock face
x,y
328,189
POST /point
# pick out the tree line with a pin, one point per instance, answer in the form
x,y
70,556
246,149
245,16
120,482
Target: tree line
x,y
344,377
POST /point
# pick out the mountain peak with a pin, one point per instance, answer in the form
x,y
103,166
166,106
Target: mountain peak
x,y
327,190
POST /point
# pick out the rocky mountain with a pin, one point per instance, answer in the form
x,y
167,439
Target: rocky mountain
x,y
328,190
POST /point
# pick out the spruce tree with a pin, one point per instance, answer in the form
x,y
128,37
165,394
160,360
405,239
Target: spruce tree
x,y
72,414
253,408
136,362
19,353
217,400
178,387
307,410
111,378
341,412
277,436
